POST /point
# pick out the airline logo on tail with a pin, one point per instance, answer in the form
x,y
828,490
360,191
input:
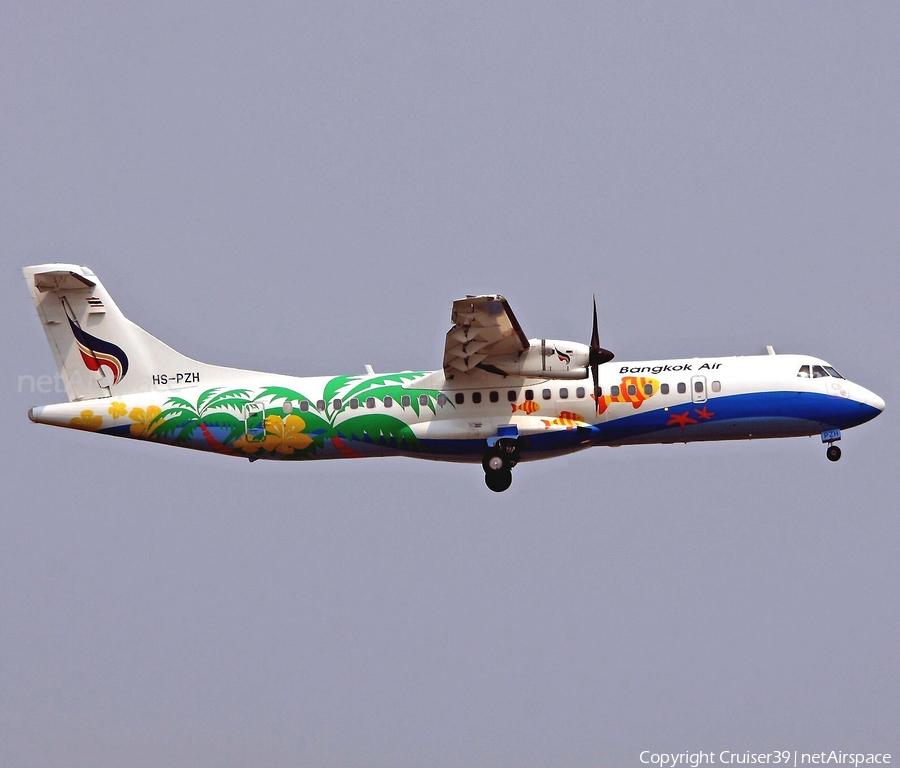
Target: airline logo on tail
x,y
97,353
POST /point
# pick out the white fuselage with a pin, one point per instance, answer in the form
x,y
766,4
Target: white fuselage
x,y
661,401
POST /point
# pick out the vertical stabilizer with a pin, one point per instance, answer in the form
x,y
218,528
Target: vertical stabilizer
x,y
99,352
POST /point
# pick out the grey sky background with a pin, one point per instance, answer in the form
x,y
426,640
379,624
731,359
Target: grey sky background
x,y
305,188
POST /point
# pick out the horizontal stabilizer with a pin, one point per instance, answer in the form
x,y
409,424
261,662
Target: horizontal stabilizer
x,y
62,280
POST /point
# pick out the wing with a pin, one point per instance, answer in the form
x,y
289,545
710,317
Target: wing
x,y
484,329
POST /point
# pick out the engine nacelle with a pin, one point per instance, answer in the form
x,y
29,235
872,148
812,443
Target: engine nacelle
x,y
552,359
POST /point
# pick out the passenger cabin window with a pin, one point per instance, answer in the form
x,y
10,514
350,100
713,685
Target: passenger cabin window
x,y
304,405
717,386
354,403
614,390
698,387
819,372
495,396
405,401
388,401
460,398
803,373
664,388
648,389
682,387
563,393
320,405
336,403
579,392
423,399
529,394
476,397
442,399
511,395
370,402
546,394
632,390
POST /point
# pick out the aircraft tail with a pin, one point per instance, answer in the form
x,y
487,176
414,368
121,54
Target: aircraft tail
x,y
100,352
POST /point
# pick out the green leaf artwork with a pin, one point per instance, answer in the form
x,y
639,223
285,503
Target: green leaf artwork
x,y
290,426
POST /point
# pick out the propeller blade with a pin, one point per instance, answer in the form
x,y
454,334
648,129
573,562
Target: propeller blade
x,y
597,357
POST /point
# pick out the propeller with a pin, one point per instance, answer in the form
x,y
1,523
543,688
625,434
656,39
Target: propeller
x,y
597,357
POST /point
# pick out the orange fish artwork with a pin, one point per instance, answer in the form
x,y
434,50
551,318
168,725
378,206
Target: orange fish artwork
x,y
566,419
633,389
529,407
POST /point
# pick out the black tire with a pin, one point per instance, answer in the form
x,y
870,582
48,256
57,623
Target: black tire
x,y
498,481
833,453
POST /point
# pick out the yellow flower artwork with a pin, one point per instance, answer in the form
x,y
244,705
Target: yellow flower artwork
x,y
87,420
142,421
117,409
285,435
246,444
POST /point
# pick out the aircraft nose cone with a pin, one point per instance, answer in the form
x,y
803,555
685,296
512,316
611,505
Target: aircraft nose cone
x,y
869,399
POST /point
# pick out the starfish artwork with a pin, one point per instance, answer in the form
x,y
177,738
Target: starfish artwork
x,y
681,419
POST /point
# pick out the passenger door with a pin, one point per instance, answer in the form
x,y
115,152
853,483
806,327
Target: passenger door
x,y
698,389
255,421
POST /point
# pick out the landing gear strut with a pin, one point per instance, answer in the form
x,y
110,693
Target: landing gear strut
x,y
498,463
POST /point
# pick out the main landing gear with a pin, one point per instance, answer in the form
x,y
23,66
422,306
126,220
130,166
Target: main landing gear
x,y
498,463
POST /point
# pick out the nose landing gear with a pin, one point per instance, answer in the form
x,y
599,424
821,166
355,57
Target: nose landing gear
x,y
498,463
833,453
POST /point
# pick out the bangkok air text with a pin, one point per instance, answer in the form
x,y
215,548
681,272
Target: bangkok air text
x,y
668,368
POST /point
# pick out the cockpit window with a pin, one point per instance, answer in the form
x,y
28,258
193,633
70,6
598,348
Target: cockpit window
x,y
817,372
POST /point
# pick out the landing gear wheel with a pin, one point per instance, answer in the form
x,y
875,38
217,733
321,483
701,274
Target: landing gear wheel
x,y
833,453
504,454
498,481
494,461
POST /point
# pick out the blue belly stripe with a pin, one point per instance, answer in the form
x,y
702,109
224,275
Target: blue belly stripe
x,y
762,413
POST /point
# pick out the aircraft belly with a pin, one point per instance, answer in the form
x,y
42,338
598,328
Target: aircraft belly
x,y
737,417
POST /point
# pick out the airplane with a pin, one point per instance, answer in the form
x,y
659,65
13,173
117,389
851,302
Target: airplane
x,y
500,398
